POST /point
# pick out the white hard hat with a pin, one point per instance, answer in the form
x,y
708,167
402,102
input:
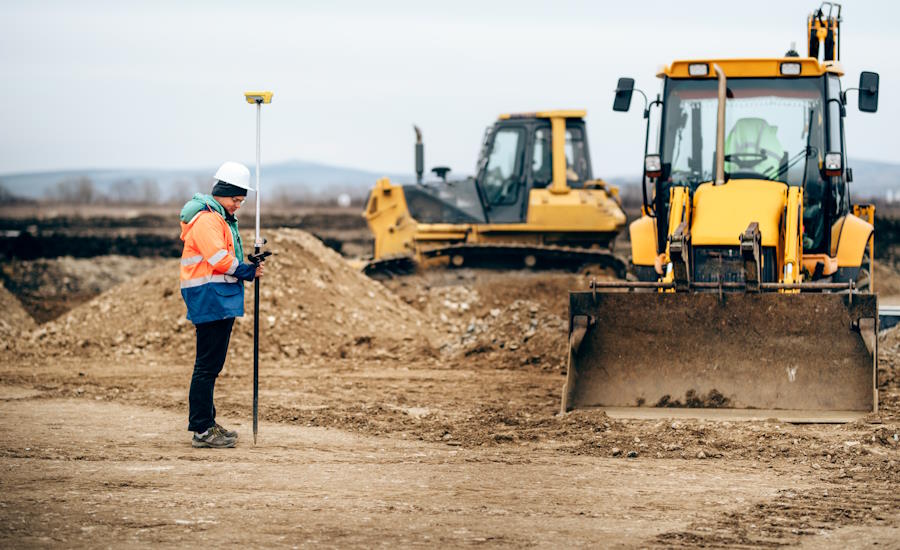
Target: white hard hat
x,y
234,173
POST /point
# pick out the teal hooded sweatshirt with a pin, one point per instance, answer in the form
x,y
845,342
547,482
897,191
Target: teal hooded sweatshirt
x,y
200,202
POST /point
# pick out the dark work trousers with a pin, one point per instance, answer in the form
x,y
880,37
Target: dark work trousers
x,y
212,345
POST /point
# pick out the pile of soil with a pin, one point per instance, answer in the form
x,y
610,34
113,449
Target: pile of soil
x,y
518,333
504,319
312,304
14,320
887,283
49,288
889,358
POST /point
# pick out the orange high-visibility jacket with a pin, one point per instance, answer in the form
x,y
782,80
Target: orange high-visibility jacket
x,y
211,275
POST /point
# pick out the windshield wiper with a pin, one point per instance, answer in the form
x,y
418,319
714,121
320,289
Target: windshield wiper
x,y
783,169
808,150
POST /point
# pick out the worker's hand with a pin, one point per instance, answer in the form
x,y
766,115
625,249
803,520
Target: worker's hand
x,y
259,269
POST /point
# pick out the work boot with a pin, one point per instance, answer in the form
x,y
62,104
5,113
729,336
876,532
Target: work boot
x,y
228,433
214,438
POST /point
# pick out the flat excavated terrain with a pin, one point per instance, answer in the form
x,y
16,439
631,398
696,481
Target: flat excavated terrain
x,y
332,487
421,411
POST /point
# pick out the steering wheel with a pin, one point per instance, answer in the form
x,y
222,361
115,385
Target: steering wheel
x,y
746,160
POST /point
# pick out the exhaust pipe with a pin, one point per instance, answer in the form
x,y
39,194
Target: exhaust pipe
x,y
720,126
420,155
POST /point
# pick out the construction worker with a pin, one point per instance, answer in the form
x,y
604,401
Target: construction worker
x,y
212,276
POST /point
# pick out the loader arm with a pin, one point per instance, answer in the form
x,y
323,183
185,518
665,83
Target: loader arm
x,y
678,234
793,236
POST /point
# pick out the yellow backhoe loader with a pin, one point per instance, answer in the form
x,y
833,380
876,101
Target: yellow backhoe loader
x,y
533,203
754,292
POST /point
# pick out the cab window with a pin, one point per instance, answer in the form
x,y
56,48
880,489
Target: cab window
x,y
541,164
576,159
502,173
834,114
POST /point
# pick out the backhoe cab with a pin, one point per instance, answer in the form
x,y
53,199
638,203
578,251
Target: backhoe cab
x,y
782,143
759,265
533,202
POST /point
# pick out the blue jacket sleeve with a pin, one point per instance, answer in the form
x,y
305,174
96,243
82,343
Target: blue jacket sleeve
x,y
245,271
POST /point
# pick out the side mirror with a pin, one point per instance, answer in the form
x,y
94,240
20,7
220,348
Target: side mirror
x,y
624,89
868,92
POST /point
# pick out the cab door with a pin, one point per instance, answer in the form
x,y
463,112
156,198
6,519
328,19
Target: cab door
x,y
501,180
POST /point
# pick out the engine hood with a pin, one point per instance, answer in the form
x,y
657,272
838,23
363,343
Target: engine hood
x,y
722,212
454,201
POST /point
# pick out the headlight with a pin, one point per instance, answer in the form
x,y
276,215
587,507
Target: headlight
x,y
790,69
652,166
698,69
834,164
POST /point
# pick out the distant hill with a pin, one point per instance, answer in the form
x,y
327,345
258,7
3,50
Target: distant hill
x,y
875,180
298,179
291,179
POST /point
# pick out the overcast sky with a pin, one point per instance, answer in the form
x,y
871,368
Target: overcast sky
x,y
159,84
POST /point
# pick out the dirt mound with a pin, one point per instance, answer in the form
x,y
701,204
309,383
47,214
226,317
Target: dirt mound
x,y
14,320
887,283
889,358
49,287
312,303
501,318
519,333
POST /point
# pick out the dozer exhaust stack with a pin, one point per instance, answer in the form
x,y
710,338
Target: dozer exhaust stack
x,y
420,155
804,357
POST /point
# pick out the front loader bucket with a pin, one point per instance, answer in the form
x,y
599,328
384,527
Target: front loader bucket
x,y
797,357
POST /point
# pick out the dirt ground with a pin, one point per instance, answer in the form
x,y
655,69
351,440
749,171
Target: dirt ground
x,y
420,411
50,287
308,486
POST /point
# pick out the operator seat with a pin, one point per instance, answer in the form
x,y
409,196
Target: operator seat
x,y
754,136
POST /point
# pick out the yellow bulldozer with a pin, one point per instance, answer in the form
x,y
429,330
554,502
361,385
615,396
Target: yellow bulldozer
x,y
754,291
533,203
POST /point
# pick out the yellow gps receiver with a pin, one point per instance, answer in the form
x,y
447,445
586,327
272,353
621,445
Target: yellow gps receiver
x,y
258,97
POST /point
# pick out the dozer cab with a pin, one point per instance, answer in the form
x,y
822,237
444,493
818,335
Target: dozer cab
x,y
754,292
533,203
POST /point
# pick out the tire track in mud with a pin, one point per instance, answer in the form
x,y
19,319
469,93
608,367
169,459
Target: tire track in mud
x,y
793,515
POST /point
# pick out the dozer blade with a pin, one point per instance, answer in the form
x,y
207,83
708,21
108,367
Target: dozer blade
x,y
795,357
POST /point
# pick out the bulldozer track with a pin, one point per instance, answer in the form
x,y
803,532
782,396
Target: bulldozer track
x,y
504,255
530,256
390,267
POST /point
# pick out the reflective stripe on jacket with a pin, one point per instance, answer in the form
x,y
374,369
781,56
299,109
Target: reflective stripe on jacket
x,y
210,272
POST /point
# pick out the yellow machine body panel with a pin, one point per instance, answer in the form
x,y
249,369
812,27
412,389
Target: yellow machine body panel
x,y
722,212
751,67
643,241
558,113
866,212
577,210
853,235
441,232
